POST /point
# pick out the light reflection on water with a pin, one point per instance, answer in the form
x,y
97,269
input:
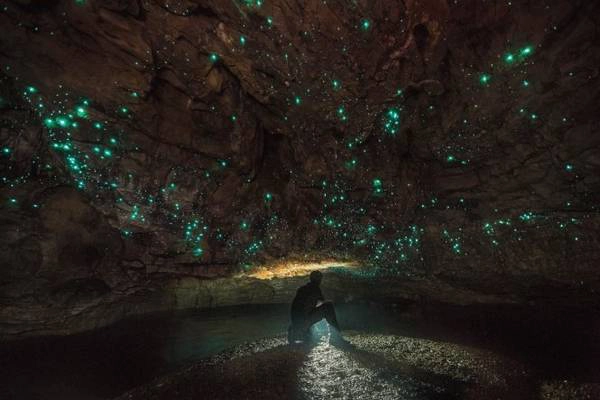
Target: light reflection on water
x,y
106,362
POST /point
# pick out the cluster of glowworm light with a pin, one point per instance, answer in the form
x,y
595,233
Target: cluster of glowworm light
x,y
344,219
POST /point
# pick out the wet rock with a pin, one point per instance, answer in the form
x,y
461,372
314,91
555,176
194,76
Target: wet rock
x,y
566,390
374,367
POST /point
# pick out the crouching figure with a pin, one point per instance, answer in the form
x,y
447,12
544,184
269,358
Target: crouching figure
x,y
308,308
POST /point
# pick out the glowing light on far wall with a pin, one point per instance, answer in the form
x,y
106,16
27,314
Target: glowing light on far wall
x,y
289,269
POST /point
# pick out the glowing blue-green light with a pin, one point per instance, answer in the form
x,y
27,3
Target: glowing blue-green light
x,y
135,94
244,225
242,40
107,152
456,248
213,57
450,158
268,197
337,85
6,150
198,251
527,216
365,24
135,213
269,21
352,164
569,167
330,222
30,90
49,122
391,123
509,58
124,110
371,229
254,247
63,122
297,100
81,112
525,51
484,79
97,125
113,140
377,186
12,200
341,112
525,83
253,3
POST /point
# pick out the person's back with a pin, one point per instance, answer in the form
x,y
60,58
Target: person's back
x,y
307,298
309,307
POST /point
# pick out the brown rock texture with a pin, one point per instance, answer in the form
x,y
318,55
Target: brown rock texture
x,y
451,143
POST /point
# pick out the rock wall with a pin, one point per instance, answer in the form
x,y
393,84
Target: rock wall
x,y
454,143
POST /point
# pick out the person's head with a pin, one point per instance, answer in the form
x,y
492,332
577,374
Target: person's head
x,y
316,277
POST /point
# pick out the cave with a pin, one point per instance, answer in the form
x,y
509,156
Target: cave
x,y
173,171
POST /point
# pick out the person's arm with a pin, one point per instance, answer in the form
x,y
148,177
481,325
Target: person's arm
x,y
321,298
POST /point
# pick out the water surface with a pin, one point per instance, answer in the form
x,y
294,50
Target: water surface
x,y
558,343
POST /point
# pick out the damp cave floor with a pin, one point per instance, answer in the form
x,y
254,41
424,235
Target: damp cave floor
x,y
371,367
438,352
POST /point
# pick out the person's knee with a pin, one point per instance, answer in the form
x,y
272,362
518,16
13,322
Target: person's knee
x,y
329,308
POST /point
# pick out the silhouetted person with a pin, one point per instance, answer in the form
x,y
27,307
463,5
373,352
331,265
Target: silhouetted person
x,y
308,308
